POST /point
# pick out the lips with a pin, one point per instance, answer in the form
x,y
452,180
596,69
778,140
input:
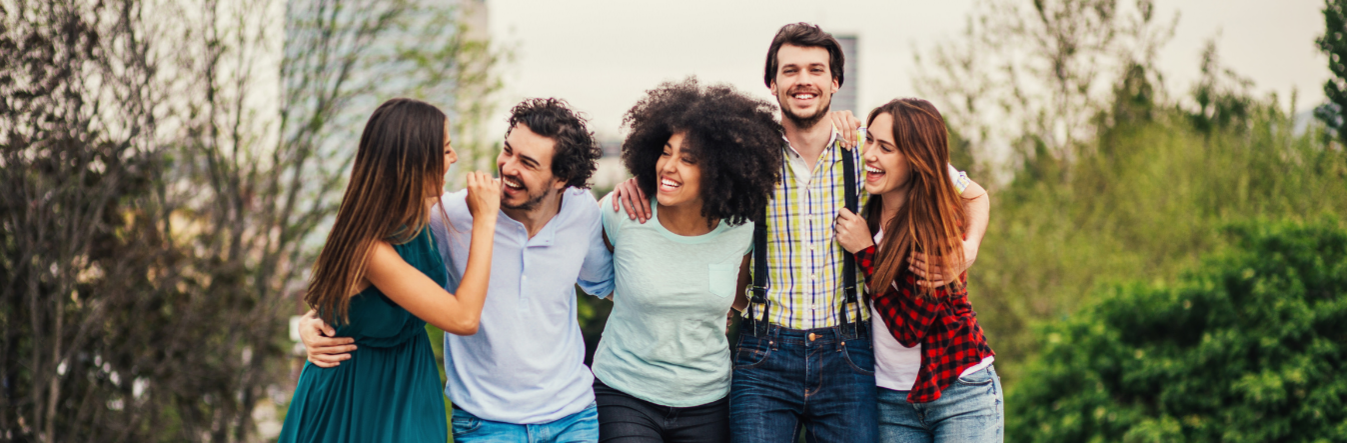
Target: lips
x,y
512,185
872,173
804,94
668,185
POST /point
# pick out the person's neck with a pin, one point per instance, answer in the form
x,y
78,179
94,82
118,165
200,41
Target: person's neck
x,y
893,201
685,220
534,219
809,142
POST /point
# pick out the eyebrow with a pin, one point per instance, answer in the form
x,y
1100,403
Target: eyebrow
x,y
528,161
806,65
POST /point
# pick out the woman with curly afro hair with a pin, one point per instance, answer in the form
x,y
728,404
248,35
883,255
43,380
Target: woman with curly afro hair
x,y
710,156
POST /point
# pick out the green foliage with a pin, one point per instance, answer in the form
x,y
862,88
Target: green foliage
x,y
437,346
1247,347
1145,201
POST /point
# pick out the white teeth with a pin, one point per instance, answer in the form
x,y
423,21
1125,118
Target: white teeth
x,y
873,170
512,183
804,96
669,183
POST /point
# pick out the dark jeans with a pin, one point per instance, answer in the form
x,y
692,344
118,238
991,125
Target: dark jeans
x,y
627,419
819,378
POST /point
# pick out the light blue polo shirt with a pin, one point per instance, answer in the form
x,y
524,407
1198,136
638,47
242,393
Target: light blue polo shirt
x,y
526,364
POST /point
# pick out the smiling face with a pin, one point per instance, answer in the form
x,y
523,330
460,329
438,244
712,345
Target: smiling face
x,y
525,167
886,168
679,179
804,85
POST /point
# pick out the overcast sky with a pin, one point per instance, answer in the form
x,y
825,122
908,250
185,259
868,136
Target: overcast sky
x,y
602,55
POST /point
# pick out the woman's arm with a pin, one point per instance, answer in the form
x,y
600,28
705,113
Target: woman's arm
x,y
408,287
740,298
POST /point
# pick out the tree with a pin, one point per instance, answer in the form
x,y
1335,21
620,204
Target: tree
x,y
1334,44
162,205
1249,346
76,123
1034,79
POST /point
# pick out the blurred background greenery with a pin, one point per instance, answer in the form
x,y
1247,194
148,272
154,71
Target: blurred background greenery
x,y
1161,266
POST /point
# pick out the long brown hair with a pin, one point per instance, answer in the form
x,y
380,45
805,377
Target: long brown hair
x,y
398,167
931,220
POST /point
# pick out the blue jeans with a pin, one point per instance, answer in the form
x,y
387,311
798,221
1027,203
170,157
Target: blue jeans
x,y
969,410
581,426
819,378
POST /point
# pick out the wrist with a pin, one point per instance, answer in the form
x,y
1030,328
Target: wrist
x,y
484,221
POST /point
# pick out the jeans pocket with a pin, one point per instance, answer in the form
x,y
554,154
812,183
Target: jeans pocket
x,y
463,423
981,377
751,351
859,356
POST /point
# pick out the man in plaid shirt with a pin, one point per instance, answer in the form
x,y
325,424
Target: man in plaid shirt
x,y
813,363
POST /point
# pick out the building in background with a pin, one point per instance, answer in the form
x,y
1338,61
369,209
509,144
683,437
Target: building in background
x,y
845,98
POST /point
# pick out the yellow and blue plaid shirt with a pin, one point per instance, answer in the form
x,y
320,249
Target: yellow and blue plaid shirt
x,y
804,260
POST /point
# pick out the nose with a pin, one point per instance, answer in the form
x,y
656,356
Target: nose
x,y
868,153
670,166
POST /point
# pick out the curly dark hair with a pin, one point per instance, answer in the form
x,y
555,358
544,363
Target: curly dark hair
x,y
576,154
733,138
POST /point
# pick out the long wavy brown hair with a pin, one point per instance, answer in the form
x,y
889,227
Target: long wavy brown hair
x,y
931,221
399,166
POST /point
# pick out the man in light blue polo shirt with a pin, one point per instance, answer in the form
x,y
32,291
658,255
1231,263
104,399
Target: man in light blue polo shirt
x,y
522,376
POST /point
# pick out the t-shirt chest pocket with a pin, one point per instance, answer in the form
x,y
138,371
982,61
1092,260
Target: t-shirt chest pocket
x,y
722,277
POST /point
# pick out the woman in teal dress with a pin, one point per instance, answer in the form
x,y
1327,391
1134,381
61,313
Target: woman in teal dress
x,y
380,278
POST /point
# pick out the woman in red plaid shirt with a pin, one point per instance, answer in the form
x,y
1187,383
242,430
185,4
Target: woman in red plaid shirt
x,y
933,366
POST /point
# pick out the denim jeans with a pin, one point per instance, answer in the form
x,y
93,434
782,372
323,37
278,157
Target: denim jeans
x,y
627,419
819,378
579,427
970,410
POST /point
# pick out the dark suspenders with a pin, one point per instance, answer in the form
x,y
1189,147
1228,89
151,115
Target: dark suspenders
x,y
758,327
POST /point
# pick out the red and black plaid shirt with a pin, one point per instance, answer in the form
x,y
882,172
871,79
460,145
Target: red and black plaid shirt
x,y
946,328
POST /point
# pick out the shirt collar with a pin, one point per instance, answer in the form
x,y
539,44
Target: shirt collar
x,y
832,142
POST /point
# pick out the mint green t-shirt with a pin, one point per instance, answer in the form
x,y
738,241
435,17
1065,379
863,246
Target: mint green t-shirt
x,y
665,339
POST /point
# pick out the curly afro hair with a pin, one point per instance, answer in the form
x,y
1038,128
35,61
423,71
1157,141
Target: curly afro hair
x,y
576,154
733,138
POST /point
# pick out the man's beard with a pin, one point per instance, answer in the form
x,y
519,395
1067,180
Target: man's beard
x,y
805,122
528,205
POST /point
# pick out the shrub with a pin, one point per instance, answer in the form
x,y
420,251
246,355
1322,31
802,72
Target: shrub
x,y
1250,346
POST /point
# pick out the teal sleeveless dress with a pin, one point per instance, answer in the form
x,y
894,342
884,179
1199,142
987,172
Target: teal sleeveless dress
x,y
389,390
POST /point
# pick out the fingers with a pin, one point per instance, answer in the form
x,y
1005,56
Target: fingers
x,y
328,360
630,206
928,275
330,331
645,204
633,200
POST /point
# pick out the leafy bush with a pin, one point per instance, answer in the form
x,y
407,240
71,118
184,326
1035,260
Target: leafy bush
x,y
1250,346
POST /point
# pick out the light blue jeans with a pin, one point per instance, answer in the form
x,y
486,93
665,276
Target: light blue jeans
x,y
972,409
580,427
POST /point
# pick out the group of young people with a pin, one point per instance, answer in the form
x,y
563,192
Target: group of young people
x,y
855,323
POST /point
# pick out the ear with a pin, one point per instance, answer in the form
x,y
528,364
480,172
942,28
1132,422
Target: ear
x,y
558,184
772,86
835,86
